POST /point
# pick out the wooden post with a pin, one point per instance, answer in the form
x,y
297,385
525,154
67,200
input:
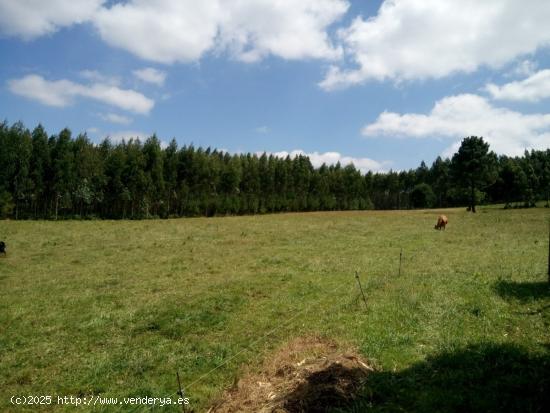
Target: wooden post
x,y
549,252
361,288
180,392
400,257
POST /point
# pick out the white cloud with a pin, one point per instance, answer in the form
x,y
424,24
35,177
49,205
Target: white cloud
x,y
97,77
287,28
183,30
331,158
33,18
524,68
57,93
456,117
62,93
119,136
262,129
114,118
170,31
409,40
532,89
151,75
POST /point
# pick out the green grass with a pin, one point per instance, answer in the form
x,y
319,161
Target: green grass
x,y
117,307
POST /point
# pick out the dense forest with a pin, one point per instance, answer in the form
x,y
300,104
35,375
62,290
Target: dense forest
x,y
61,176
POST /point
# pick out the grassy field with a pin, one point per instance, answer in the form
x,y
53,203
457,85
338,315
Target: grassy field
x,y
117,307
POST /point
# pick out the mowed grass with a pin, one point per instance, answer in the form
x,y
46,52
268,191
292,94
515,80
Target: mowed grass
x,y
115,308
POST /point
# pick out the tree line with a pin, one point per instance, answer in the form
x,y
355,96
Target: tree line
x,y
61,176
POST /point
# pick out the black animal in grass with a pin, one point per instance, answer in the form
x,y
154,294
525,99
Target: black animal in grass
x,y
2,248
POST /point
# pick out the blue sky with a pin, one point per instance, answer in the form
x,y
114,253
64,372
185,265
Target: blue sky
x,y
382,84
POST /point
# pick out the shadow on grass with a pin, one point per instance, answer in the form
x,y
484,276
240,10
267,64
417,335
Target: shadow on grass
x,y
523,291
480,378
335,387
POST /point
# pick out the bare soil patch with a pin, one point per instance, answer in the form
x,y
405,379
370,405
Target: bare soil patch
x,y
308,374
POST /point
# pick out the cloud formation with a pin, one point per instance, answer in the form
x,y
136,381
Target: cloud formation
x,y
524,68
114,118
455,117
332,158
169,31
406,40
410,40
97,77
61,93
151,75
33,18
532,89
120,136
262,129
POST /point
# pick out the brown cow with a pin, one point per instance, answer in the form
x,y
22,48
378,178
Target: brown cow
x,y
442,221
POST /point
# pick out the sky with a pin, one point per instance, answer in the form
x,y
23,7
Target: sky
x,y
382,84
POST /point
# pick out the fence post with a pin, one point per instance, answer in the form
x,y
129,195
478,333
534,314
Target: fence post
x,y
180,392
361,288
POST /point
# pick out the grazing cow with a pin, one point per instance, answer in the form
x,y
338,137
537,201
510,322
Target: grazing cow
x,y
441,222
2,248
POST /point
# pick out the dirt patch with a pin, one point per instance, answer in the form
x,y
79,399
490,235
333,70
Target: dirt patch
x,y
309,374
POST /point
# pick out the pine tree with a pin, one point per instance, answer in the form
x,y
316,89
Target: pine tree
x,y
170,172
440,180
153,175
40,166
62,170
474,167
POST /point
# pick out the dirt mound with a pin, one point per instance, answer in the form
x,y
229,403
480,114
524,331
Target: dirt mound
x,y
309,374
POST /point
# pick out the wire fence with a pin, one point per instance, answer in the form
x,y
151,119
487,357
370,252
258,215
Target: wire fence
x,y
280,326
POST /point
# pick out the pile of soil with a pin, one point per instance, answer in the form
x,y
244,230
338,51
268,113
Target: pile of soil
x,y
309,374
